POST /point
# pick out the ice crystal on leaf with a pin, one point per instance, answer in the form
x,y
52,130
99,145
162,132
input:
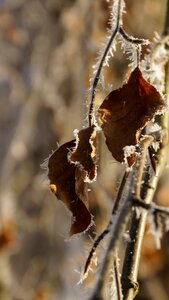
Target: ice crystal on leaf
x,y
154,61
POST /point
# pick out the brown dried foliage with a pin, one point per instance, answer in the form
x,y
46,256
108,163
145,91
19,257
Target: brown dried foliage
x,y
123,114
126,111
85,151
67,183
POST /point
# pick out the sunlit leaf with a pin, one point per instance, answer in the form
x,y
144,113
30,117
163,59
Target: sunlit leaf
x,y
85,151
67,183
126,111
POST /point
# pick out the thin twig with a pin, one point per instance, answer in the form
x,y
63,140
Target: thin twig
x,y
120,192
97,75
107,229
166,21
132,255
128,38
144,145
93,249
136,232
117,277
132,39
117,231
122,217
151,207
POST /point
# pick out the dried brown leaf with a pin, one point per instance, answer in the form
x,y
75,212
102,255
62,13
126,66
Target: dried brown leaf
x,y
126,111
67,183
85,151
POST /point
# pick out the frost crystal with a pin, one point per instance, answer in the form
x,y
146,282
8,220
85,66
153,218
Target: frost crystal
x,y
154,61
128,151
130,50
155,231
114,14
111,288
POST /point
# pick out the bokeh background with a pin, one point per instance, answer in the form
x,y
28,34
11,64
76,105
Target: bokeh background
x,y
47,49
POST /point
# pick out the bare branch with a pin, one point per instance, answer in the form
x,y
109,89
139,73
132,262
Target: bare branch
x,y
132,255
117,230
97,75
151,207
132,39
118,277
108,228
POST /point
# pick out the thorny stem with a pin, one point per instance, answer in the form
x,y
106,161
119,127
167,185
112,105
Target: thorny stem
x,y
107,229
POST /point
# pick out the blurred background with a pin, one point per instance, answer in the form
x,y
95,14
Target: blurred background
x,y
47,49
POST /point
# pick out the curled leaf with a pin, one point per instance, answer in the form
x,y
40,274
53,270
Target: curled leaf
x,y
67,183
126,111
85,151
